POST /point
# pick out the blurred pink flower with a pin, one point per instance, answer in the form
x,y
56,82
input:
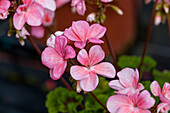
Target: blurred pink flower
x,y
164,96
81,32
80,6
60,3
132,103
48,4
29,12
128,80
37,31
48,17
87,75
4,5
56,58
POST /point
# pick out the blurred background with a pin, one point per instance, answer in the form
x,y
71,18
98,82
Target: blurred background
x,y
24,81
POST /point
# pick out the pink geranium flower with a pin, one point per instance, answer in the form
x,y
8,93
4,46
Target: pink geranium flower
x,y
82,33
80,6
128,80
86,75
132,103
4,5
164,96
56,58
29,12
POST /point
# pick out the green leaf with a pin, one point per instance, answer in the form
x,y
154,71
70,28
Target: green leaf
x,y
62,100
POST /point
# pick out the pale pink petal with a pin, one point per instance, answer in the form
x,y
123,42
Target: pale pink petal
x,y
96,55
163,108
74,2
95,31
125,91
60,3
37,31
125,109
115,102
140,87
95,41
60,43
145,101
136,77
48,17
164,99
166,90
105,69
81,7
138,110
4,15
83,57
106,1
69,52
80,28
50,57
115,84
79,72
78,87
35,15
155,88
28,2
4,5
89,83
80,44
49,4
71,35
58,70
127,77
19,20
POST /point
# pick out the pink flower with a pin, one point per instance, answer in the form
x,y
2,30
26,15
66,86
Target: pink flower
x,y
23,33
51,39
128,80
132,103
48,17
106,1
80,6
164,96
60,3
4,5
86,75
29,12
81,32
37,31
56,58
48,4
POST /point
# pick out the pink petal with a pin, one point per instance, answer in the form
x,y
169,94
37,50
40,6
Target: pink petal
x,y
60,3
48,17
80,28
166,90
115,102
80,44
4,15
69,52
37,31
89,83
49,4
78,87
155,88
106,1
4,5
105,69
95,40
96,55
127,77
35,15
58,70
125,91
50,57
71,35
138,110
83,57
60,43
164,99
28,2
145,101
140,86
79,72
115,84
74,2
81,7
19,20
95,31
163,108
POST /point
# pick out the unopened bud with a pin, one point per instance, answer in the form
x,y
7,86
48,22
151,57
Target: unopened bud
x,y
157,18
91,17
118,10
